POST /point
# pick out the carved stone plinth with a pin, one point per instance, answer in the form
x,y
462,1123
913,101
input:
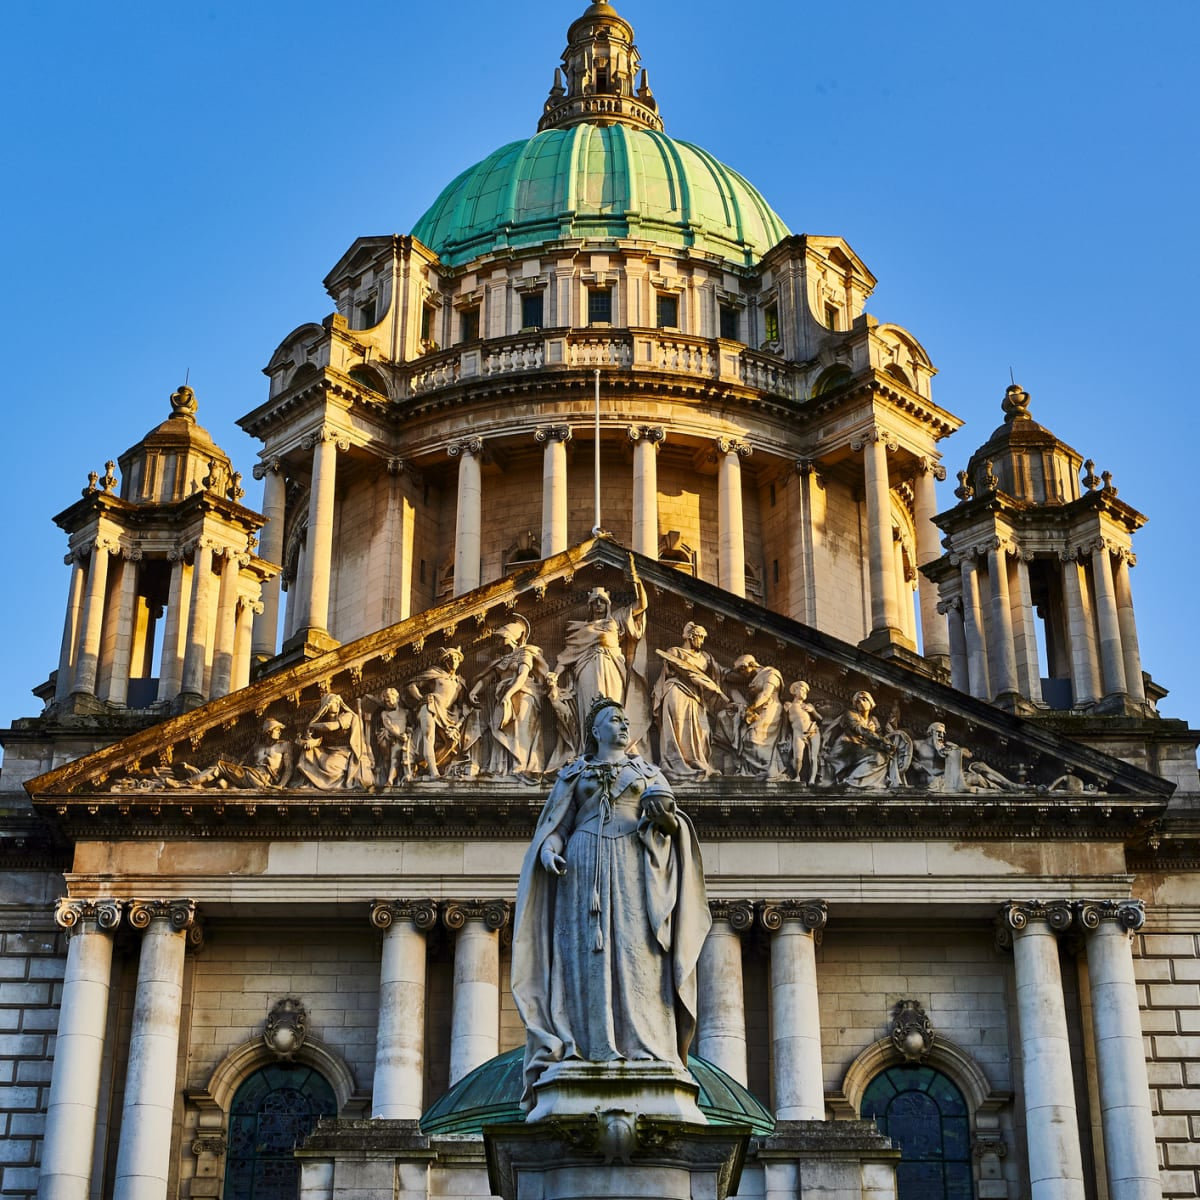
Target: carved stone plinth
x,y
648,1089
616,1155
849,1159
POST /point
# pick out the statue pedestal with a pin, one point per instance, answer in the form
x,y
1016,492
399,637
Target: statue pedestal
x,y
635,1089
615,1156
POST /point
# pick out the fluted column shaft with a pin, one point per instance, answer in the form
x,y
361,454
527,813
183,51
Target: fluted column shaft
x,y
144,1153
271,548
1129,638
960,676
1002,653
87,661
243,644
972,612
554,487
935,637
65,680
170,676
121,638
475,1007
730,527
1130,1154
646,440
1029,675
70,1131
194,662
400,1041
795,1013
1085,675
468,522
722,1004
1051,1123
1112,659
226,629
876,488
315,604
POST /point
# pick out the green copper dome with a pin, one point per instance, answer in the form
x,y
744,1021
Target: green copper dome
x,y
600,181
491,1095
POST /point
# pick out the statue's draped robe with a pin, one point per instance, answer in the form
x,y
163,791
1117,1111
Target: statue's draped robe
x,y
684,738
342,758
620,982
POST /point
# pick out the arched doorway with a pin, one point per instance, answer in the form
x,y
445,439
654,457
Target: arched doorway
x,y
273,1111
925,1115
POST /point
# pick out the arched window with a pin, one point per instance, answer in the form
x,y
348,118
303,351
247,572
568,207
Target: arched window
x,y
273,1111
925,1115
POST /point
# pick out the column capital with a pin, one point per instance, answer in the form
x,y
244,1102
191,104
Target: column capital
x,y
1015,915
471,445
132,553
875,434
1129,914
495,914
70,914
739,913
950,604
552,433
927,466
727,445
809,468
422,913
180,914
268,466
326,433
812,914
655,435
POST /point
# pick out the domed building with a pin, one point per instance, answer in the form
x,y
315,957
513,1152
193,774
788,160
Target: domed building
x,y
601,426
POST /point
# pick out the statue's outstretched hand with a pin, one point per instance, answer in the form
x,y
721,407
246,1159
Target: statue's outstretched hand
x,y
552,861
661,814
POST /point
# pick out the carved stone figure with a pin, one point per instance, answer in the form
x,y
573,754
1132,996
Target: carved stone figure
x,y
865,755
334,750
268,765
755,726
439,698
805,722
611,912
518,744
604,657
391,735
942,766
685,688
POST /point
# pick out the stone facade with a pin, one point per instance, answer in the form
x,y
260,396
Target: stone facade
x,y
289,761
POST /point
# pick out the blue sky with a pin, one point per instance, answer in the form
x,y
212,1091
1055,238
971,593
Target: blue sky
x,y
1022,178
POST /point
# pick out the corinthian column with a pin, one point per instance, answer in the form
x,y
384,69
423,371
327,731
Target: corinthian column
x,y
64,683
1051,1123
722,1005
1129,637
475,1012
400,1040
730,528
270,547
314,604
144,1153
226,628
70,1135
1130,1153
1081,634
795,1014
194,661
646,440
935,641
875,445
1002,657
554,487
468,521
1112,659
976,647
170,674
87,661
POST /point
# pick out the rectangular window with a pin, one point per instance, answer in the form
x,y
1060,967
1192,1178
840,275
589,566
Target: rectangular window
x,y
426,322
831,316
532,310
668,312
771,322
600,306
366,314
468,327
729,323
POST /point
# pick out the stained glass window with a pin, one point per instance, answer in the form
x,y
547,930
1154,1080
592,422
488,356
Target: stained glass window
x,y
925,1115
273,1111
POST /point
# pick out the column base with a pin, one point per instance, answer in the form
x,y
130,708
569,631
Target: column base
x,y
1014,702
615,1154
632,1089
888,643
306,644
844,1158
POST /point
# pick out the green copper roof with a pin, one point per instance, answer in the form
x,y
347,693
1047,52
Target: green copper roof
x,y
491,1095
600,181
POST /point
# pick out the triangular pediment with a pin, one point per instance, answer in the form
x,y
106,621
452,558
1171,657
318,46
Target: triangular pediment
x,y
723,719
